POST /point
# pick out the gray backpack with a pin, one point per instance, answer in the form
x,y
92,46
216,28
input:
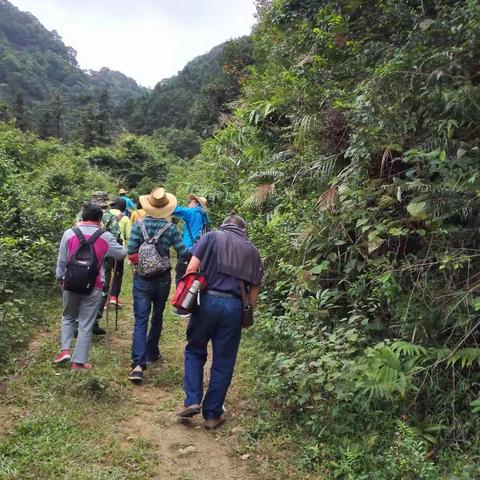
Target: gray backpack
x,y
150,261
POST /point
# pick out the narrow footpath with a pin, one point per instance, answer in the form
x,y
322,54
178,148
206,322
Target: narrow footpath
x,y
56,424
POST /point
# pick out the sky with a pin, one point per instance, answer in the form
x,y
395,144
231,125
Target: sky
x,y
147,40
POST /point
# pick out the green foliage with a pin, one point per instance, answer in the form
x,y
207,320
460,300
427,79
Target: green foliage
x,y
43,184
353,153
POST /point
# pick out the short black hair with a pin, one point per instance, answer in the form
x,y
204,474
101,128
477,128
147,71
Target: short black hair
x,y
234,219
92,212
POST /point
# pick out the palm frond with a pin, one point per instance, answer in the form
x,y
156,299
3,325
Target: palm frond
x,y
261,197
327,200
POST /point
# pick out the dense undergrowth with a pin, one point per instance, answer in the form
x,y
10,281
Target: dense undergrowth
x,y
43,184
354,154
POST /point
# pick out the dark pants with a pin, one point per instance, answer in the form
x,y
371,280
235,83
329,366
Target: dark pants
x,y
117,279
217,319
148,293
107,265
182,264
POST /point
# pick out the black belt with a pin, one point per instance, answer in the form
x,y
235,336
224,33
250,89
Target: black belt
x,y
221,294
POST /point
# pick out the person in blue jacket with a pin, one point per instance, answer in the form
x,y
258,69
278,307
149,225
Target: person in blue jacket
x,y
196,223
129,203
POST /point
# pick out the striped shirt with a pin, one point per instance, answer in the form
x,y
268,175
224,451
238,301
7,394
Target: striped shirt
x,y
171,238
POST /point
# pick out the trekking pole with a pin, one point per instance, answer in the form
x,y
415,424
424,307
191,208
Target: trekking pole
x,y
115,274
107,319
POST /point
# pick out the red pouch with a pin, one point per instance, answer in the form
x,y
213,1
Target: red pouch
x,y
184,286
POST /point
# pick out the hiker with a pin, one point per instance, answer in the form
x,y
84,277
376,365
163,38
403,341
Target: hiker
x,y
110,224
196,222
137,214
229,258
117,207
148,250
129,204
82,281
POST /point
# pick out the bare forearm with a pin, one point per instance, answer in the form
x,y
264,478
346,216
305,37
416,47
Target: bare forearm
x,y
193,265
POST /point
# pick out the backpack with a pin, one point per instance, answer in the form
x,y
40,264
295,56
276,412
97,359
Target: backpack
x,y
82,270
150,261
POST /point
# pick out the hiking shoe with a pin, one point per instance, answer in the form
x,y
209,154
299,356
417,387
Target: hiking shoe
x,y
97,330
80,366
63,357
190,411
153,360
115,302
136,375
214,423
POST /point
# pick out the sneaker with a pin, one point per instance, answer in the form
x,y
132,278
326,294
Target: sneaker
x,y
97,330
214,423
181,313
189,411
80,366
63,357
115,302
136,375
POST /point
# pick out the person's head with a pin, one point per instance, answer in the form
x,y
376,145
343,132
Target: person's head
x,y
119,203
236,220
100,198
122,192
92,212
196,201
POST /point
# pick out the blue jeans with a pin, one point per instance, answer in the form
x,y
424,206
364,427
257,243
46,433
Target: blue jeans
x,y
148,292
217,319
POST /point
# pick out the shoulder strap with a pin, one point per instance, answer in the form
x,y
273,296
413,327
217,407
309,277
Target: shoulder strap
x,y
79,235
208,251
243,293
160,232
93,238
144,230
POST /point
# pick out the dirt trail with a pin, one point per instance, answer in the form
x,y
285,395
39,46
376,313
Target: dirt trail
x,y
183,449
186,451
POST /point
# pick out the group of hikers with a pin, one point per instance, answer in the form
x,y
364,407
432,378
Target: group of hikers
x,y
227,265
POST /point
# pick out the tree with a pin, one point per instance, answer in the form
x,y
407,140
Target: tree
x,y
19,112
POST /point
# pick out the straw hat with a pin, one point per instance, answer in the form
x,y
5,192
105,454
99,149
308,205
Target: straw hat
x,y
122,191
201,200
159,203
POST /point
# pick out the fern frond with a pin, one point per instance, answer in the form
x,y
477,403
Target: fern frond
x,y
408,349
266,176
466,357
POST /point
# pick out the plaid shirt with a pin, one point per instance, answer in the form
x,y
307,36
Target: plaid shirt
x,y
171,238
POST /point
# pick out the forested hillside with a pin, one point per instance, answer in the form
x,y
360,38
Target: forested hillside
x,y
347,134
197,95
41,84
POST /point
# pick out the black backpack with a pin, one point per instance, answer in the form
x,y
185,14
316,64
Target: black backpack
x,y
82,269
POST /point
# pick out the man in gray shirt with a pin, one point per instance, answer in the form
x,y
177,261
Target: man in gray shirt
x,y
80,307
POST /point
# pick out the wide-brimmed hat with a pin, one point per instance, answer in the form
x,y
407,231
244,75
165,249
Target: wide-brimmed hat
x,y
100,198
159,203
122,191
201,200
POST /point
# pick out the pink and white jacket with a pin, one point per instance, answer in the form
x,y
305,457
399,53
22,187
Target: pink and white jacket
x,y
106,245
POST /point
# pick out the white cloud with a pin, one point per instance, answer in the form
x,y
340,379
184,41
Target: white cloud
x,y
147,40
